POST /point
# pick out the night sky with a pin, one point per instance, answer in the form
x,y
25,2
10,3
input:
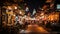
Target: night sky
x,y
34,4
31,3
57,1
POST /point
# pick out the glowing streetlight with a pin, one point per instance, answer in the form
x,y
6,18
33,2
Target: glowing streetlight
x,y
9,7
42,14
14,15
20,12
15,7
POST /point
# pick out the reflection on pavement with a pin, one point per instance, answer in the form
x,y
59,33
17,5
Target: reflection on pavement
x,y
35,29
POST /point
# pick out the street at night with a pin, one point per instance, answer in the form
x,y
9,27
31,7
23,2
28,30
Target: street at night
x,y
30,17
36,28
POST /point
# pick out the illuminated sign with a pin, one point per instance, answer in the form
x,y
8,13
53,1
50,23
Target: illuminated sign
x,y
58,6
